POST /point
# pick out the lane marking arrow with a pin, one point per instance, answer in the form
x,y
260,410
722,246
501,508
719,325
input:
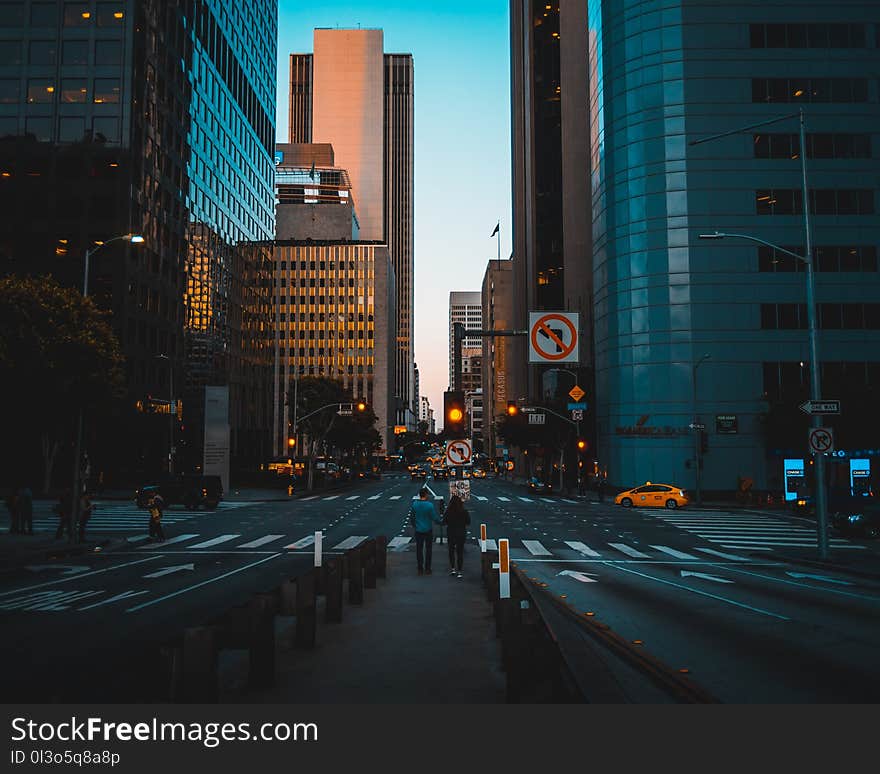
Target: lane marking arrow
x,y
819,578
169,570
583,577
704,576
69,569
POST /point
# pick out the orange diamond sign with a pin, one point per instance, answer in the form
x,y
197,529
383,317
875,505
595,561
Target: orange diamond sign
x,y
576,393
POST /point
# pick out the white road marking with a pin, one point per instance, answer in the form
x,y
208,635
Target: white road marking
x,y
673,552
526,500
332,497
261,541
398,543
349,542
171,570
353,497
215,541
81,575
629,551
535,548
302,543
732,557
583,577
704,576
395,497
481,498
117,598
172,541
504,499
306,499
581,548
374,497
573,502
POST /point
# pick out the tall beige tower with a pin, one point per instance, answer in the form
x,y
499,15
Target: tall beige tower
x,y
361,100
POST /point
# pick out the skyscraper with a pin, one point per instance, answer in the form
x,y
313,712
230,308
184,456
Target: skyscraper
x,y
351,94
466,307
157,118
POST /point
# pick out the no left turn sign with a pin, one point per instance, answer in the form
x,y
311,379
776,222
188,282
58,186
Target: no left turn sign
x,y
553,337
458,453
821,440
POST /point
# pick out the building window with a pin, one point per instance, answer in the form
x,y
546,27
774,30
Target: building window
x,y
819,146
44,15
108,52
76,52
809,90
9,91
807,35
105,129
828,258
833,316
40,90
71,129
12,15
106,90
110,14
73,90
823,201
40,128
77,15
42,52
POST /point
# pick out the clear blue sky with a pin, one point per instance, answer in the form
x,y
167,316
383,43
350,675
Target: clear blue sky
x,y
462,137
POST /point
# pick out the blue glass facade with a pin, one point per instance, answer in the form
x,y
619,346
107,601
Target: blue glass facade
x,y
158,118
664,73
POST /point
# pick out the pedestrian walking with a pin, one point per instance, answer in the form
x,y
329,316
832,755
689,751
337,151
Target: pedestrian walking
x,y
600,488
156,506
85,512
423,515
64,509
24,502
457,520
12,507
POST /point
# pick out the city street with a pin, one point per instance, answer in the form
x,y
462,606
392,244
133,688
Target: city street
x,y
723,594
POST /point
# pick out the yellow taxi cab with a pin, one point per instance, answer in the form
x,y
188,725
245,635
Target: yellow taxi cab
x,y
478,473
653,496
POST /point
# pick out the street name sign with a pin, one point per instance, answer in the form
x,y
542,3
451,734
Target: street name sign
x,y
577,406
553,337
537,419
820,407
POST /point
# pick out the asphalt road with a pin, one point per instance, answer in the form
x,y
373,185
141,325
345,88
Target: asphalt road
x,y
717,593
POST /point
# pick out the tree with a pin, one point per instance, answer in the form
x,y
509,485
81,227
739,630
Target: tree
x,y
58,354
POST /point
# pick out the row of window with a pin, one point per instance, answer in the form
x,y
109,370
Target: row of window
x,y
322,317
809,89
819,146
104,129
73,52
831,316
71,90
45,15
825,201
827,258
323,335
781,379
322,300
328,369
808,35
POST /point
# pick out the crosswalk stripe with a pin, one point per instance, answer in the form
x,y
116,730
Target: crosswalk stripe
x,y
332,497
581,548
573,502
673,552
504,499
374,497
306,499
137,539
349,542
481,498
215,541
261,541
395,497
353,497
302,543
177,539
398,543
526,500
732,557
535,548
623,548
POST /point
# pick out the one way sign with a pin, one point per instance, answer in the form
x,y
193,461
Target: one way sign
x,y
820,407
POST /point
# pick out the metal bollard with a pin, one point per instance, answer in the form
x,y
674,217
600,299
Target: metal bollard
x,y
306,609
354,564
199,667
333,590
261,665
368,553
381,557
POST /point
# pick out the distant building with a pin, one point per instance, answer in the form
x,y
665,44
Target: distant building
x,y
426,413
474,406
465,307
353,95
497,301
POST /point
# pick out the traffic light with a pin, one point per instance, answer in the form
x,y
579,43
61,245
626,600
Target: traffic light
x,y
361,405
512,408
453,413
291,442
582,445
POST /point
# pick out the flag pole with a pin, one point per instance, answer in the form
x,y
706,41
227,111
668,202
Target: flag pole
x,y
499,239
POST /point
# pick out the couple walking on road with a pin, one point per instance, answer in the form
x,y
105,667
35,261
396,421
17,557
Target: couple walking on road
x,y
423,515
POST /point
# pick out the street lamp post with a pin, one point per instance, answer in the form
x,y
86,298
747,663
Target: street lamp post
x,y
807,260
77,449
698,431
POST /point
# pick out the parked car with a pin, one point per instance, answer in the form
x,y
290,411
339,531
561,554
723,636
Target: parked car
x,y
861,517
418,473
536,486
189,491
653,496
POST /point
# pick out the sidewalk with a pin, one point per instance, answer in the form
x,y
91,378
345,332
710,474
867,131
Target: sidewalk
x,y
416,640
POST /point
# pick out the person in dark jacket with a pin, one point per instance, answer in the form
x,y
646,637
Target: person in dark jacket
x,y
457,520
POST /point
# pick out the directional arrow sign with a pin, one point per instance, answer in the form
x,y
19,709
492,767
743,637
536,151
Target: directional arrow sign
x,y
820,407
69,569
704,576
583,577
819,578
169,570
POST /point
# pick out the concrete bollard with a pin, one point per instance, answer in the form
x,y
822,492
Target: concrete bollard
x,y
199,666
261,648
306,610
382,557
333,590
368,552
354,564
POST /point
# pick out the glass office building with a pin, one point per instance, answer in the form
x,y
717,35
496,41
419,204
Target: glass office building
x,y
158,118
713,332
